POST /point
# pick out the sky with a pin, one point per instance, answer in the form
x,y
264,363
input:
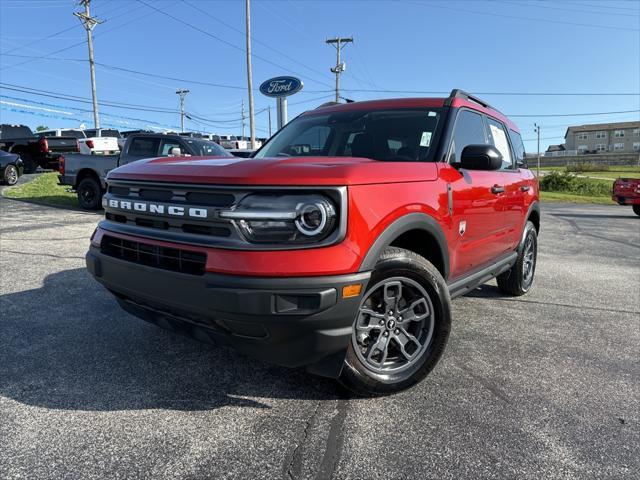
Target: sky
x,y
508,52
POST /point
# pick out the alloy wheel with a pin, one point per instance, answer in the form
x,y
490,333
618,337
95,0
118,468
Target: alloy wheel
x,y
394,325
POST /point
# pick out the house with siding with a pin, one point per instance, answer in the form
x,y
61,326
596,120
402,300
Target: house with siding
x,y
620,137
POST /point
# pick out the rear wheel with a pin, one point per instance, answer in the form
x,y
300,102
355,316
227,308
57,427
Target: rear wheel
x,y
636,209
89,194
519,278
401,327
30,165
10,175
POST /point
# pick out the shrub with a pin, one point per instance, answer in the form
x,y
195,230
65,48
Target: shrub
x,y
568,182
587,167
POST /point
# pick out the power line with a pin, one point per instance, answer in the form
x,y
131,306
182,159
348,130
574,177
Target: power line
x,y
514,3
571,114
544,20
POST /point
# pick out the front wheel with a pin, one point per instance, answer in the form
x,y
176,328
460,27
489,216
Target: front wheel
x,y
89,194
636,209
401,327
518,279
11,175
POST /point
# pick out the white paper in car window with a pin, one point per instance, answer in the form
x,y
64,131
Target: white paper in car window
x,y
500,142
425,139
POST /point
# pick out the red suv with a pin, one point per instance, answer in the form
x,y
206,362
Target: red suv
x,y
338,246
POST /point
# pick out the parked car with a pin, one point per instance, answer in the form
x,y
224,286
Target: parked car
x,y
61,132
626,191
101,141
35,150
86,173
342,258
11,167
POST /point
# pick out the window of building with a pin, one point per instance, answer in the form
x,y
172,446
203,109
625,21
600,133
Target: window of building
x,y
618,146
582,148
601,147
636,146
618,133
583,136
636,132
601,134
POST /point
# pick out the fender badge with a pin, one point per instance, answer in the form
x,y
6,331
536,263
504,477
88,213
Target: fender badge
x,y
462,227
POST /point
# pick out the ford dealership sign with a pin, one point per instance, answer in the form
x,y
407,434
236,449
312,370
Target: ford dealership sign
x,y
281,86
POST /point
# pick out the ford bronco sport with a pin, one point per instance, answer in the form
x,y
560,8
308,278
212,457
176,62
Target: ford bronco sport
x,y
338,247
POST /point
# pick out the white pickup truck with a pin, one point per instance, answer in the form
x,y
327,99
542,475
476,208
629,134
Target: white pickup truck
x,y
100,141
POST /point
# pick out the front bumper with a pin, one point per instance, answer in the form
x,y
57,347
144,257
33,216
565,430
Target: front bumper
x,y
294,322
622,200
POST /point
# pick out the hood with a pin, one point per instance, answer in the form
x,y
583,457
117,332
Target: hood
x,y
275,171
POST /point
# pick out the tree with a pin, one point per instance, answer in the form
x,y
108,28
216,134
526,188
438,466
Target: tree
x,y
41,128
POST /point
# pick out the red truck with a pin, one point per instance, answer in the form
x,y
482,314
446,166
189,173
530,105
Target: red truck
x,y
338,246
626,191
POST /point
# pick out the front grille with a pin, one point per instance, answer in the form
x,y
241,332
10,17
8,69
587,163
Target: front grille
x,y
174,259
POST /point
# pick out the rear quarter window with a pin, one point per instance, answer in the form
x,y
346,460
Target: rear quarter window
x,y
518,146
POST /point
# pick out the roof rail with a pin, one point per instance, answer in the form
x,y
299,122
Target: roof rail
x,y
458,93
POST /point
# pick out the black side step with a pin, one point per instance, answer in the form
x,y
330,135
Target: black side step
x,y
472,280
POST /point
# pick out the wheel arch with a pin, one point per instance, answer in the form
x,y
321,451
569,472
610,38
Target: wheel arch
x,y
533,215
417,232
87,173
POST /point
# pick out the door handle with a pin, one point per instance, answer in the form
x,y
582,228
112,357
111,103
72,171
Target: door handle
x,y
525,188
497,189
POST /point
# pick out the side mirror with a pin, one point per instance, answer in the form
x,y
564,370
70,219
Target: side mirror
x,y
480,157
175,152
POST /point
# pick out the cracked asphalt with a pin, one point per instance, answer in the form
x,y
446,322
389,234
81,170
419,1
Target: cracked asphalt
x,y
543,386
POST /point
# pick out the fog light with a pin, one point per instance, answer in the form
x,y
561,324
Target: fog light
x,y
349,291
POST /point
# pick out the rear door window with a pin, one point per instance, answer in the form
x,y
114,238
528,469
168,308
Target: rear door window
x,y
468,130
498,138
518,147
144,147
167,145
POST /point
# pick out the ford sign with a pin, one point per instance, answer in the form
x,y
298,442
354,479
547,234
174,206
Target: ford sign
x,y
281,86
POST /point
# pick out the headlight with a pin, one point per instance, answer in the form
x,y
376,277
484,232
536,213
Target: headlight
x,y
263,218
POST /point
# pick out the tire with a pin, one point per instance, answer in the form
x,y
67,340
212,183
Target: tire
x,y
89,194
30,165
636,209
518,280
402,283
10,175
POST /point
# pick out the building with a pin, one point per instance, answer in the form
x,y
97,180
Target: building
x,y
556,148
620,137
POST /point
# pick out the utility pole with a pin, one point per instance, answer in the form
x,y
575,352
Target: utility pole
x,y
269,112
340,67
252,126
89,23
243,117
537,130
182,93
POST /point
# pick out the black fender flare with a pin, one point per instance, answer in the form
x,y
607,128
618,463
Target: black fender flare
x,y
534,207
412,221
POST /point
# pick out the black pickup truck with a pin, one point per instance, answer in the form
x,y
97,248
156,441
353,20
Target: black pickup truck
x,y
33,149
86,173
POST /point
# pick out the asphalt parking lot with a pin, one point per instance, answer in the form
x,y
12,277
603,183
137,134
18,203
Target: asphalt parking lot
x,y
544,386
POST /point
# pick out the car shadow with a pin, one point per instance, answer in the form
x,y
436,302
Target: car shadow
x,y
67,345
485,291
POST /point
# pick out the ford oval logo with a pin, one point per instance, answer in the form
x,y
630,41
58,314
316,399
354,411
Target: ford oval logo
x,y
281,86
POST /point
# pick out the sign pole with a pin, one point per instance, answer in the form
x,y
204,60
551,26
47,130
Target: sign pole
x,y
282,112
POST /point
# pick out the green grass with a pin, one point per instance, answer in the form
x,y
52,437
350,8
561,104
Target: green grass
x,y
44,190
572,198
611,174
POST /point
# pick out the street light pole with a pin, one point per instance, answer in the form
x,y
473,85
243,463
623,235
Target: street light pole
x,y
537,130
89,23
252,126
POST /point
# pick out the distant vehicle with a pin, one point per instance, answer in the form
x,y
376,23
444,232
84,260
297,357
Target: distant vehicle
x,y
35,150
193,135
126,133
86,173
626,191
11,167
101,141
61,132
231,142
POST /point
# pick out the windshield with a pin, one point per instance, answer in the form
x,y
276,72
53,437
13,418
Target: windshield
x,y
206,148
400,135
72,133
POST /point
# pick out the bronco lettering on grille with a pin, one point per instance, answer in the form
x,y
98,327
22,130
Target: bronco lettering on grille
x,y
160,209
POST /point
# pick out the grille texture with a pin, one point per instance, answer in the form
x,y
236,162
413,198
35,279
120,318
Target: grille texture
x,y
174,259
